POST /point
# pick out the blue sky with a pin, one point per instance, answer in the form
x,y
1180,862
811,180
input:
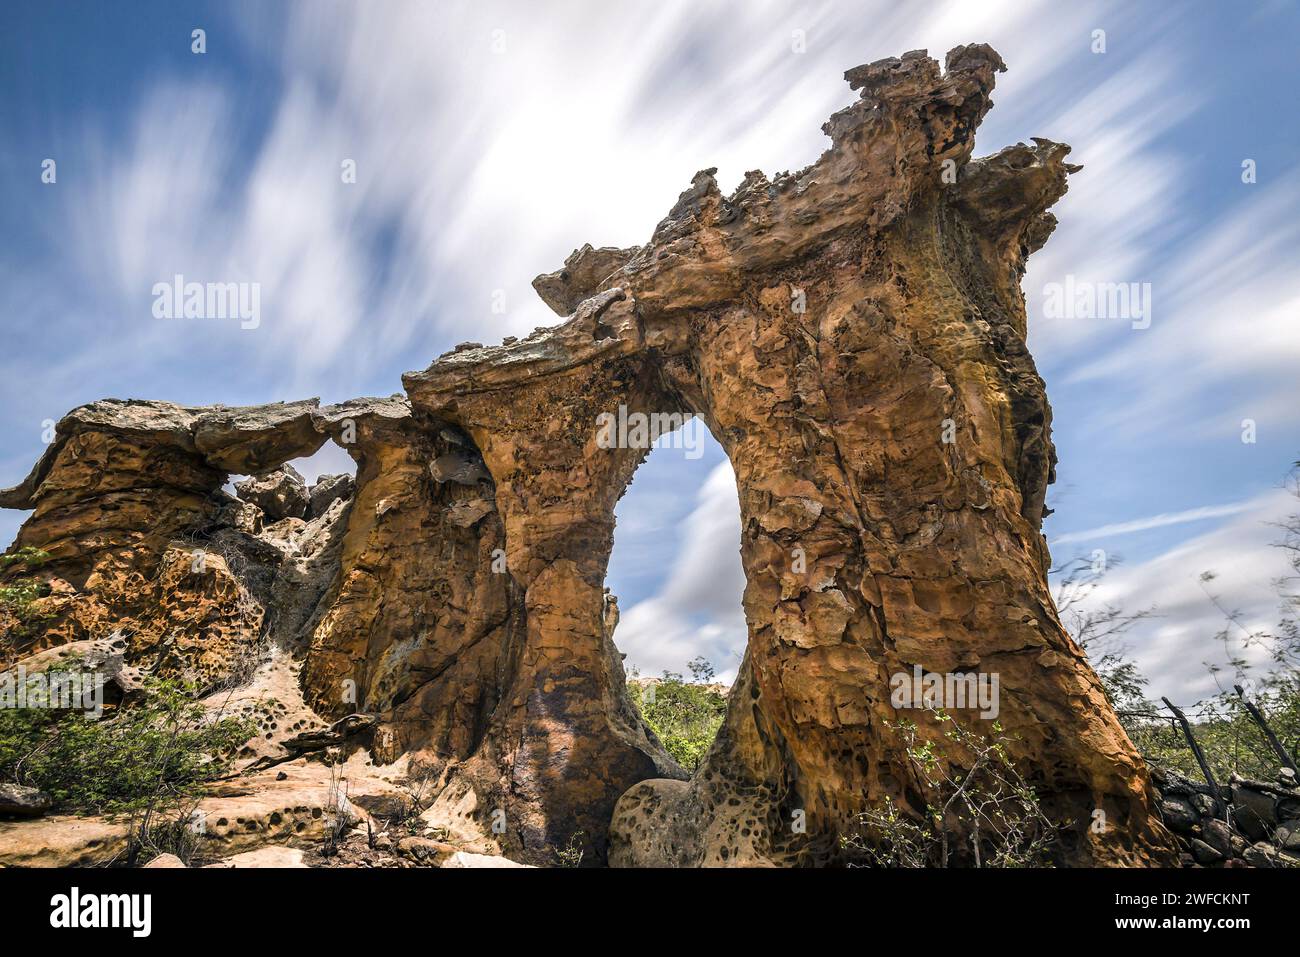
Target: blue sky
x,y
491,139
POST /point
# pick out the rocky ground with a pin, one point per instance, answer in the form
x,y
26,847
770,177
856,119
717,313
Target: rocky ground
x,y
301,813
1252,823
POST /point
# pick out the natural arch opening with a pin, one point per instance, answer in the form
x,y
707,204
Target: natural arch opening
x,y
676,584
10,523
301,488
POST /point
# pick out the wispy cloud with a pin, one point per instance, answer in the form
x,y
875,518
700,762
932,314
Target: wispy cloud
x,y
1175,647
1154,521
1225,326
581,122
697,610
1124,206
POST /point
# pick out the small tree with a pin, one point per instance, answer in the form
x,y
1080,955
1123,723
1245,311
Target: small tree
x,y
701,671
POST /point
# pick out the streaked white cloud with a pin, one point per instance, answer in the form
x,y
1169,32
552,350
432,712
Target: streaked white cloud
x,y
697,610
1172,649
1225,328
1122,206
1153,521
584,127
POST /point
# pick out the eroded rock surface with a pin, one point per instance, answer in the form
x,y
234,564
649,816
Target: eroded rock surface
x,y
854,337
328,490
280,493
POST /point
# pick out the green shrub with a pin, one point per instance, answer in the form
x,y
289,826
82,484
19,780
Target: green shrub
x,y
156,752
685,715
27,556
18,595
1229,737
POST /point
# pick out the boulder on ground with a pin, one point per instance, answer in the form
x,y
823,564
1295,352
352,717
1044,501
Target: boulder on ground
x,y
1178,814
22,801
272,856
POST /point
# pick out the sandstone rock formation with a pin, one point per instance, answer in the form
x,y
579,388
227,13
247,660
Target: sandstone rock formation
x,y
328,490
280,493
854,337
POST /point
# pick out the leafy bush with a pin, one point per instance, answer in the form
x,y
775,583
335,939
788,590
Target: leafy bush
x,y
27,556
18,595
1229,737
685,715
156,752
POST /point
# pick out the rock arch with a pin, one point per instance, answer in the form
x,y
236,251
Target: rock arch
x,y
854,337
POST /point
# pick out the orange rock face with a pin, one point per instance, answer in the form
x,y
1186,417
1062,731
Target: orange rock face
x,y
854,337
